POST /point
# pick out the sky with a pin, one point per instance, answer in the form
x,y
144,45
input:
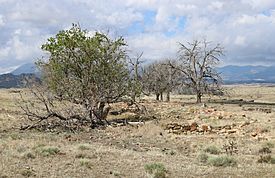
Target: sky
x,y
245,28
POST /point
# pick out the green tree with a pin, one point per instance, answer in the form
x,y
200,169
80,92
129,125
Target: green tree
x,y
90,71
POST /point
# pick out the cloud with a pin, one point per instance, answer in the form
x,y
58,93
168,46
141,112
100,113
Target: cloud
x,y
244,27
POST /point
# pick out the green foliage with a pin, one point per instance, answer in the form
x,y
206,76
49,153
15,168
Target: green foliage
x,y
79,64
212,150
86,70
157,170
48,151
221,161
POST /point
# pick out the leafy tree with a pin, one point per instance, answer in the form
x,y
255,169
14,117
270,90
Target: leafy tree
x,y
196,62
87,71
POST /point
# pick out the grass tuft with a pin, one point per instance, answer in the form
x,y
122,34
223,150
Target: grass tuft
x,y
221,161
157,170
84,147
48,151
203,157
85,163
29,155
212,150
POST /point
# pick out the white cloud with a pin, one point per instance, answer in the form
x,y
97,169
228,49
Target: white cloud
x,y
244,27
240,41
2,23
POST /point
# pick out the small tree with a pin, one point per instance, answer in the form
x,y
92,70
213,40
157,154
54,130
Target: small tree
x,y
135,85
160,78
87,71
196,62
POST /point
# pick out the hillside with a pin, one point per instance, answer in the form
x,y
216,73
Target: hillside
x,y
13,81
247,74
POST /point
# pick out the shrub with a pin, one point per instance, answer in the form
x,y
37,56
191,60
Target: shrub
x,y
212,150
203,157
266,159
265,150
81,155
157,170
48,151
268,145
27,173
85,162
223,161
29,155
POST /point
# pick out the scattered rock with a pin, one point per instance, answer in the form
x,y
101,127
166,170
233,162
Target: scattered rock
x,y
245,124
193,126
206,128
232,131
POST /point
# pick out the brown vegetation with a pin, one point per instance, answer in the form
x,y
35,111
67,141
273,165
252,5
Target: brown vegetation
x,y
204,146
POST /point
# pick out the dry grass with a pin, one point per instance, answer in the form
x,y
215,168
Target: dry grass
x,y
126,150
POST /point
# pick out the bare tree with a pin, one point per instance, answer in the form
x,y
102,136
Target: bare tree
x,y
196,62
160,78
135,77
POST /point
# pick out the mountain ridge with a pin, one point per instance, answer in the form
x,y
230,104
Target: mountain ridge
x,y
231,74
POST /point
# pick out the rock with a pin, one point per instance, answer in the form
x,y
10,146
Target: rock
x,y
193,126
228,127
205,128
245,124
232,131
254,134
186,128
222,131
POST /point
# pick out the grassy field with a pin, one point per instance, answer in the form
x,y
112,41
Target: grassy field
x,y
228,140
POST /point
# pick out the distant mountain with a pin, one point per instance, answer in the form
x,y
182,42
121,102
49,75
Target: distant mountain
x,y
29,68
14,81
231,75
247,74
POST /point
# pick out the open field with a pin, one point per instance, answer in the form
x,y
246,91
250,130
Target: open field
x,y
183,140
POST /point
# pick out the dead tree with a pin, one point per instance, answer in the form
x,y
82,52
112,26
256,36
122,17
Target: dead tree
x,y
196,62
160,78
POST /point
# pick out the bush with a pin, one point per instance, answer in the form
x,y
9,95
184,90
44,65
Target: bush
x,y
268,145
203,157
29,155
212,150
267,159
157,170
85,162
223,161
48,151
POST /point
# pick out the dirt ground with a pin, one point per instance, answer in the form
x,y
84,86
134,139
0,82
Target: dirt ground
x,y
176,138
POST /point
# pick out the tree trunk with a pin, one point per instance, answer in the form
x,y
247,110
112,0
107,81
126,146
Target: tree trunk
x,y
161,96
168,96
157,96
199,95
99,114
